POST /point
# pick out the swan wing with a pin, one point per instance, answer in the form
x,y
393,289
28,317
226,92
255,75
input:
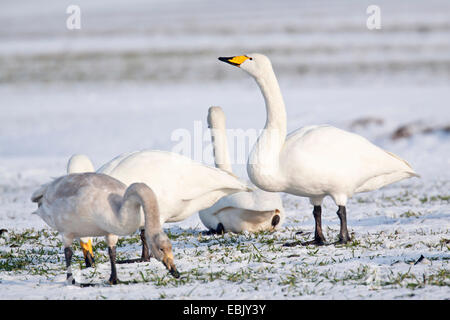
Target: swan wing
x,y
300,132
325,159
170,173
110,165
257,200
383,179
47,198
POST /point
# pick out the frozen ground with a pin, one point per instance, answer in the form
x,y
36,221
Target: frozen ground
x,y
134,74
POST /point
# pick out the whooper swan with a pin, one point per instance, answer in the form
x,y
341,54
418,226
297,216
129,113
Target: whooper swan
x,y
93,205
313,161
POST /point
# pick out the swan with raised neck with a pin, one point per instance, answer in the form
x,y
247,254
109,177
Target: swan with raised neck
x,y
313,161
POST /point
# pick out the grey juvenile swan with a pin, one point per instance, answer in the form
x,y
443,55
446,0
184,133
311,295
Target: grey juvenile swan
x,y
92,204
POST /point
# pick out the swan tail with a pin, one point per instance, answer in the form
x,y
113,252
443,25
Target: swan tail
x,y
39,193
396,169
408,168
384,180
413,174
38,196
234,184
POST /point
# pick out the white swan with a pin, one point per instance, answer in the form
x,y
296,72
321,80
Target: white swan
x,y
314,161
182,186
252,211
92,205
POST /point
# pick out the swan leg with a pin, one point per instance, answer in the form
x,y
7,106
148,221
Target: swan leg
x,y
68,256
68,253
112,258
145,256
319,238
111,240
343,233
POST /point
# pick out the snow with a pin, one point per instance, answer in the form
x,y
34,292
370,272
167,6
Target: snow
x,y
137,72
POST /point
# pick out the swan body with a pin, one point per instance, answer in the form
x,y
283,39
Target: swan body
x,y
252,211
91,205
313,161
348,164
182,186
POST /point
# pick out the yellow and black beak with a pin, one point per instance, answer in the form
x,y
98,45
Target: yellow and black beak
x,y
276,218
87,252
235,61
170,265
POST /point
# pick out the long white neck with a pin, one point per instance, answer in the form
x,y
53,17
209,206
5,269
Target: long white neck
x,y
263,162
128,218
216,122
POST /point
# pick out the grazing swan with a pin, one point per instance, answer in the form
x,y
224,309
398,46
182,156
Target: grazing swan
x,y
92,205
252,211
314,161
79,163
181,185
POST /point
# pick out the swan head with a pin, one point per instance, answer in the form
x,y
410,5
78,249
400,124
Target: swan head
x,y
255,64
161,248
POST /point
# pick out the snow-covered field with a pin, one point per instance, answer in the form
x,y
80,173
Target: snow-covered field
x,y
136,72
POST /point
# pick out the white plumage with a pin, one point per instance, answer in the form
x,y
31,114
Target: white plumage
x,y
182,186
314,161
79,163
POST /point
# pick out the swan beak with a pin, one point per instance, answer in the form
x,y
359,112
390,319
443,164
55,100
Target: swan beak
x,y
276,218
87,252
170,265
235,61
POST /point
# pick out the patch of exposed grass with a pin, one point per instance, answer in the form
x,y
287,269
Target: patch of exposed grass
x,y
443,198
247,261
410,214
